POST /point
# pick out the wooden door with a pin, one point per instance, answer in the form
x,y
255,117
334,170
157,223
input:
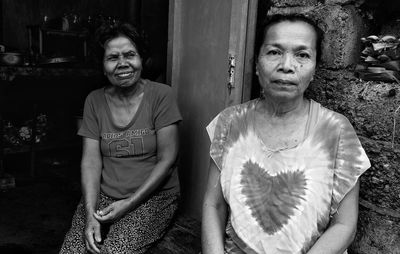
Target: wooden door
x,y
203,35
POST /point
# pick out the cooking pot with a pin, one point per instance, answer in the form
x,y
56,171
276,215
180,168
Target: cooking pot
x,y
11,58
58,60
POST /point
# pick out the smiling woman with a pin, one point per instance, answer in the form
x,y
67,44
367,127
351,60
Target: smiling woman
x,y
129,179
122,62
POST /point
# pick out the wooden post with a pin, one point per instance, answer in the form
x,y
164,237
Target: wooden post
x,y
2,98
1,23
133,11
1,145
33,142
6,181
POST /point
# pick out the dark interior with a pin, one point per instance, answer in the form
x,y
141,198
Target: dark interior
x,y
40,180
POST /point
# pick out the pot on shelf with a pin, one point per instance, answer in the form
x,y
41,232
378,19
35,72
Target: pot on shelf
x,y
11,58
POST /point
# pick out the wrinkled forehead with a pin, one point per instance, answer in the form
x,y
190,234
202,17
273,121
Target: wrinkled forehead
x,y
117,40
292,32
119,43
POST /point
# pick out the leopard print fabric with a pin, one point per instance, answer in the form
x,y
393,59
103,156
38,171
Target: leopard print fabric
x,y
134,233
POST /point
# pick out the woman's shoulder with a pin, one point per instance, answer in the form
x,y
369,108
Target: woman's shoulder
x,y
239,109
157,88
229,115
326,114
95,95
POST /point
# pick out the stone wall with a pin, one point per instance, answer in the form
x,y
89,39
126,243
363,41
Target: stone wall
x,y
372,107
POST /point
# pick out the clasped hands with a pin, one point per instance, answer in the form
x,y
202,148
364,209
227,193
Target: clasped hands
x,y
111,213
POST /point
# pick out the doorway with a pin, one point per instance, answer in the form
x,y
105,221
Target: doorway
x,y
210,66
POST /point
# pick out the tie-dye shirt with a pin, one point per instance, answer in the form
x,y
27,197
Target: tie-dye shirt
x,y
281,201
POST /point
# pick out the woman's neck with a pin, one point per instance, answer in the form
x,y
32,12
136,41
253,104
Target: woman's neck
x,y
126,93
274,108
281,125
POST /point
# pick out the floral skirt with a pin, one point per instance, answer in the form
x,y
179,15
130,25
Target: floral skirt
x,y
134,233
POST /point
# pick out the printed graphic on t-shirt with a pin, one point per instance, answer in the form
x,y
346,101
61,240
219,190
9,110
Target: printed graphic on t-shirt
x,y
127,143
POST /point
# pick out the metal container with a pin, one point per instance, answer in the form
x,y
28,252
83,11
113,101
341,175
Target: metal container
x,y
11,58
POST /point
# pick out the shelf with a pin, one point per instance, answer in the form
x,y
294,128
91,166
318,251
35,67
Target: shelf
x,y
62,144
82,33
40,71
70,32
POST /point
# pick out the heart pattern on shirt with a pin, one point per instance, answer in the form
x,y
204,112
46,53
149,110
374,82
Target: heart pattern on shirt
x,y
272,199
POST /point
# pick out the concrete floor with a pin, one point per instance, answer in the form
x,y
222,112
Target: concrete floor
x,y
35,215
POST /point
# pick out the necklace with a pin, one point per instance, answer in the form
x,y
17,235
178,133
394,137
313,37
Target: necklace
x,y
277,138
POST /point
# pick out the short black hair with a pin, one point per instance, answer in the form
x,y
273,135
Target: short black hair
x,y
107,31
278,18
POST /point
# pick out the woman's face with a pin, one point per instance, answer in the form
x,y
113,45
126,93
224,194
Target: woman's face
x,y
287,60
122,63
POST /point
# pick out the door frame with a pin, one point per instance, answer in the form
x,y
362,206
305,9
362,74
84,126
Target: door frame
x,y
238,41
241,46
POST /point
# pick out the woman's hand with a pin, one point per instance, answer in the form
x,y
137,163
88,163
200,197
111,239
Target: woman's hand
x,y
92,235
342,229
113,212
91,172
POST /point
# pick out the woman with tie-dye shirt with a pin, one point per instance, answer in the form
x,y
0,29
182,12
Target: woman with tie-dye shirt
x,y
284,170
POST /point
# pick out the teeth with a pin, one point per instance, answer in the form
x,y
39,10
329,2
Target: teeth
x,y
124,74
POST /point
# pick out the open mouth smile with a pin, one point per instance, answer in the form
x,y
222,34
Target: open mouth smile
x,y
124,75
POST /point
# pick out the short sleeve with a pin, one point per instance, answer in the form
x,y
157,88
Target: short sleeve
x,y
218,131
166,111
351,163
90,126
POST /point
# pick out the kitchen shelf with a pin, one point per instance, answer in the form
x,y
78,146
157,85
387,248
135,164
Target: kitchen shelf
x,y
10,72
61,144
41,76
34,149
82,33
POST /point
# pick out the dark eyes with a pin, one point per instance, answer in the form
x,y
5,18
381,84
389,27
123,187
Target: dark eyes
x,y
128,55
300,55
131,54
304,55
273,52
112,58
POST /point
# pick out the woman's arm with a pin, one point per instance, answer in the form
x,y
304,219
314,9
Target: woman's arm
x,y
214,214
342,229
90,179
167,151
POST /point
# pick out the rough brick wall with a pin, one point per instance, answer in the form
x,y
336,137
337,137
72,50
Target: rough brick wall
x,y
370,107
291,3
343,2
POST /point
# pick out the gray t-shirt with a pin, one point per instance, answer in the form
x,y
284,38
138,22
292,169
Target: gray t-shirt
x,y
130,153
